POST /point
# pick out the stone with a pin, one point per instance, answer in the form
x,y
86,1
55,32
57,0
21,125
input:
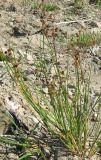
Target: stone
x,y
37,23
17,31
45,90
19,19
93,24
30,59
11,8
95,117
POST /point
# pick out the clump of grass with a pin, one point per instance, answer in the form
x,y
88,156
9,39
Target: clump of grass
x,y
46,6
35,6
65,116
85,39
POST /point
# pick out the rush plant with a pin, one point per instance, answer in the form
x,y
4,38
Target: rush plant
x,y
67,117
64,115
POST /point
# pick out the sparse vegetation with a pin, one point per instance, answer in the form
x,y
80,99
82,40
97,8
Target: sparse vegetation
x,y
45,6
66,116
86,39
